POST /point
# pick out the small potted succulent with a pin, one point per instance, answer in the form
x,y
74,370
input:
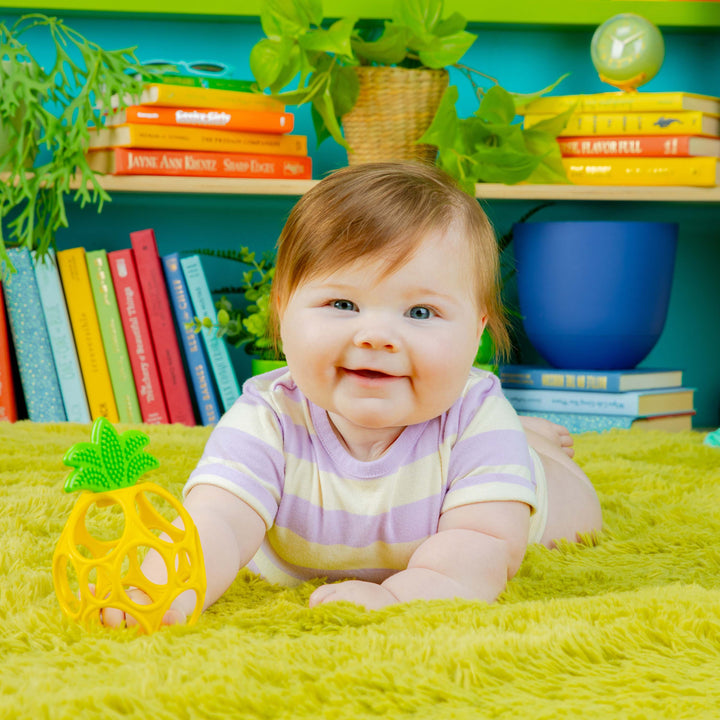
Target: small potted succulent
x,y
44,117
336,67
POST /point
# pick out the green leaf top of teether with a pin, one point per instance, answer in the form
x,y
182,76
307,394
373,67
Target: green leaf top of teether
x,y
110,461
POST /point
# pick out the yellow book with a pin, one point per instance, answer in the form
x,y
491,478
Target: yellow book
x,y
168,137
643,123
624,102
84,321
198,97
694,171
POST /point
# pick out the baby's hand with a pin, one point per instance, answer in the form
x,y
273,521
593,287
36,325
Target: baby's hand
x,y
367,594
114,617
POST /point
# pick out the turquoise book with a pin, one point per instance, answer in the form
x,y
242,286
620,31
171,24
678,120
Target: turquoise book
x,y
192,345
62,341
36,366
203,306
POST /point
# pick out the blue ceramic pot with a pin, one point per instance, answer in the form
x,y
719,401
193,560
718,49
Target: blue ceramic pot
x,y
594,295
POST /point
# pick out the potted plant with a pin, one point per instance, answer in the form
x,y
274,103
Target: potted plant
x,y
44,117
246,324
335,67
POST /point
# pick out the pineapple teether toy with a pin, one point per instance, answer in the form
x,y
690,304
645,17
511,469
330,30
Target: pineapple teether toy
x,y
108,467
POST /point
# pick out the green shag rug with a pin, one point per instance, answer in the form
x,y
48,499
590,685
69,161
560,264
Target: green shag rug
x,y
626,628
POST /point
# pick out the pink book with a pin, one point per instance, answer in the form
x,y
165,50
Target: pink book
x,y
137,335
162,327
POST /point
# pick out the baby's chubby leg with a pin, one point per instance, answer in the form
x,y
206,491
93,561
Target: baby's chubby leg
x,y
573,505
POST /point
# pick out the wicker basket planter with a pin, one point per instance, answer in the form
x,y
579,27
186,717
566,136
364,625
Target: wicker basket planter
x,y
394,108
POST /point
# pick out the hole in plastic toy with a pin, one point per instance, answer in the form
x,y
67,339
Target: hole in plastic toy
x,y
157,514
105,522
71,592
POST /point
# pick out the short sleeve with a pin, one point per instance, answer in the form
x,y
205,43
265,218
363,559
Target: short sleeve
x,y
490,459
244,454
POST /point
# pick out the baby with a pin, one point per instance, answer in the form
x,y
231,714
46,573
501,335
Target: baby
x,y
380,457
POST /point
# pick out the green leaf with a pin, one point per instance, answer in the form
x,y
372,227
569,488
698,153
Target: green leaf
x,y
445,50
344,88
443,129
336,39
525,99
553,126
419,16
389,49
267,60
503,165
450,26
138,465
289,18
496,105
323,104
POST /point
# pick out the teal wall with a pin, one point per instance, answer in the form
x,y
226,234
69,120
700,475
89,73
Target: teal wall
x,y
522,60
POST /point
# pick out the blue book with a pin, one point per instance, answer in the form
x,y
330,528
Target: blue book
x,y
195,357
33,352
636,403
588,422
216,347
545,378
62,341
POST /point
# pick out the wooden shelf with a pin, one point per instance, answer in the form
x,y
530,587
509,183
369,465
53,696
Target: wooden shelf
x,y
489,191
689,13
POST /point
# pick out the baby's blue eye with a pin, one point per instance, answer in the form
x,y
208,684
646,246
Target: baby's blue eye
x,y
419,312
344,305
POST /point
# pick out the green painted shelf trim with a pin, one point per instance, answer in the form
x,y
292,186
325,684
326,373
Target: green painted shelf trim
x,y
568,13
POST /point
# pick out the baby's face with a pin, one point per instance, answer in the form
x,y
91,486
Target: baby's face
x,y
386,351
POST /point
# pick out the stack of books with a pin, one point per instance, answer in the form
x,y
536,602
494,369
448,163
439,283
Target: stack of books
x,y
99,333
180,129
670,138
599,400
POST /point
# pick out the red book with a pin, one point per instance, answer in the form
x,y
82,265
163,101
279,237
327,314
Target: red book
x,y
137,335
196,163
8,406
162,327
264,121
639,146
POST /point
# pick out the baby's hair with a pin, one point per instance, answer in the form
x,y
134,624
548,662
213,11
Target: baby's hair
x,y
384,210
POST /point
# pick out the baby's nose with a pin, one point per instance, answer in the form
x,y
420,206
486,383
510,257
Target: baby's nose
x,y
376,336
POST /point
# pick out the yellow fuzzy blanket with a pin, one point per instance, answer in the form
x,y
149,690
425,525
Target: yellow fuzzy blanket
x,y
626,628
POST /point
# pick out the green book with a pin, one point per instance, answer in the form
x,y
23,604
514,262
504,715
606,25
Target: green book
x,y
113,337
203,81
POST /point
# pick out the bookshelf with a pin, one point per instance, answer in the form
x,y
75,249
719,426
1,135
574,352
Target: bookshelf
x,y
486,191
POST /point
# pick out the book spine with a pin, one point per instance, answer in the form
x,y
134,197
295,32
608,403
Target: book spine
x,y
608,102
33,353
573,402
62,341
200,81
162,328
137,336
696,172
167,137
626,146
86,329
183,96
541,378
585,422
8,404
113,337
679,123
123,161
217,351
196,359
262,121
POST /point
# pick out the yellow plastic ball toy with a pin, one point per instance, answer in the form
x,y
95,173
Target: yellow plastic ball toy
x,y
107,469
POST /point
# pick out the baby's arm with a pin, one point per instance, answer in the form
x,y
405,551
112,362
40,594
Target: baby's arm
x,y
476,550
230,534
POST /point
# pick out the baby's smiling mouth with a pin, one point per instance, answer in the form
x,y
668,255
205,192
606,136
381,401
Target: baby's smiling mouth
x,y
369,374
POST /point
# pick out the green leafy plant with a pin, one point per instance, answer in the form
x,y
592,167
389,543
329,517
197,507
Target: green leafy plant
x,y
301,47
44,119
247,323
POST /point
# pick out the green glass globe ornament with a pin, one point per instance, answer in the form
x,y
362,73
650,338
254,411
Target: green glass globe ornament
x,y
627,51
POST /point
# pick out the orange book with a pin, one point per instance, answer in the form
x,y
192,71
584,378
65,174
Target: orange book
x,y
173,137
219,119
8,405
125,161
639,146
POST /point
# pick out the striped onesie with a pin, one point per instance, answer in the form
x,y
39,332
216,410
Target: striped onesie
x,y
330,515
